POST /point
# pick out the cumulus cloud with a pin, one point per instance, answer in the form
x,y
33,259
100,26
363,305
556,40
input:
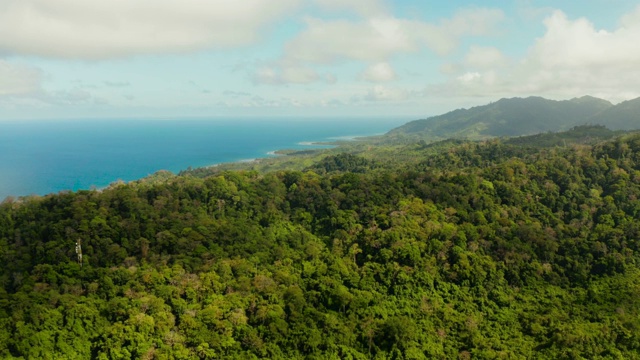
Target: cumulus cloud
x,y
572,58
468,77
381,93
375,39
484,57
378,38
570,43
285,75
21,87
472,21
365,8
72,97
105,29
379,72
19,80
257,101
282,73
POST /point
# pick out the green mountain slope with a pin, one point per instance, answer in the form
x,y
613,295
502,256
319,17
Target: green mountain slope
x,y
582,134
507,117
624,116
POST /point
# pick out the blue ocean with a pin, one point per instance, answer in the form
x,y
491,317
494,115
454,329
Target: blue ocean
x,y
42,157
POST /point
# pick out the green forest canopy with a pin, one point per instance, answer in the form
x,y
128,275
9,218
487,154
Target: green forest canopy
x,y
455,250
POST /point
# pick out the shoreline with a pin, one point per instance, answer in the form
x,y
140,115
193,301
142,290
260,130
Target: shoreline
x,y
308,148
273,154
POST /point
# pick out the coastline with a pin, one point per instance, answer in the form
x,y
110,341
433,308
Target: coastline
x,y
317,146
269,155
91,165
282,159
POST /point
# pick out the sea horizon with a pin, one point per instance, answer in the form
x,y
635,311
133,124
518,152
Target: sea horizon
x,y
39,157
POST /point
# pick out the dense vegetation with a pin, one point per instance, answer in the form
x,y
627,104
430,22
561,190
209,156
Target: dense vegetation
x,y
469,250
518,116
578,135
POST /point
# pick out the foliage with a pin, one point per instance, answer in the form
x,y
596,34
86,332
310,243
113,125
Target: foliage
x,y
454,250
583,134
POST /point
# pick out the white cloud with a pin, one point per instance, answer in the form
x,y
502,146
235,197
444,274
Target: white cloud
x,y
529,11
631,20
279,74
19,80
299,75
365,8
266,75
326,41
384,93
472,21
106,29
572,58
21,88
577,43
484,57
378,38
256,101
468,77
379,72
375,39
72,97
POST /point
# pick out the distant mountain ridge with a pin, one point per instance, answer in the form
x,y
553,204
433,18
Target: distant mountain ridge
x,y
624,116
524,116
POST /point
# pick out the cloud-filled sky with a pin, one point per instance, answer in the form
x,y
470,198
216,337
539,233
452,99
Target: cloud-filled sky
x,y
222,58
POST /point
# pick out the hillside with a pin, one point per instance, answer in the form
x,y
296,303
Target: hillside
x,y
378,152
625,116
582,134
522,116
455,249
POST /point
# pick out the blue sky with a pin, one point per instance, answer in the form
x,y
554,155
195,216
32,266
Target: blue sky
x,y
221,58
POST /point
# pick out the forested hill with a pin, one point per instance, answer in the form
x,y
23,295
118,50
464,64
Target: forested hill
x,y
625,115
524,116
483,250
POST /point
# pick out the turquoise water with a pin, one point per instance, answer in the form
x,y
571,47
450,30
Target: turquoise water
x,y
41,157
